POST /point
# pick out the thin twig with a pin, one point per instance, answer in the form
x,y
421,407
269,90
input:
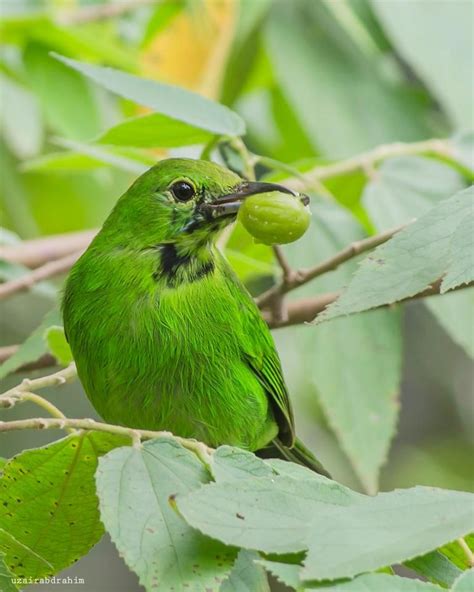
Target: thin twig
x,y
31,385
46,271
294,280
442,148
101,12
36,252
42,423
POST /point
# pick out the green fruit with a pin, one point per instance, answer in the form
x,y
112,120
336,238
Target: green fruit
x,y
275,218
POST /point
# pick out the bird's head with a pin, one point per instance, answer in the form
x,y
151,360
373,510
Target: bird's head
x,y
181,199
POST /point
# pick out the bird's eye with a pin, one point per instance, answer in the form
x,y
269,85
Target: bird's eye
x,y
183,191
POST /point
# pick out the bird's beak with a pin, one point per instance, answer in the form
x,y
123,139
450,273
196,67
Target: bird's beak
x,y
230,203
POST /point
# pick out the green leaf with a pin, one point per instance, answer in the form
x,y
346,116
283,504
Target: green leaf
x,y
386,529
407,264
33,347
154,131
345,533
130,161
353,365
377,582
435,567
453,312
86,157
247,257
169,100
286,573
412,30
58,345
461,265
134,488
405,188
246,575
67,99
49,512
465,582
6,576
456,554
240,513
20,117
231,464
315,63
3,462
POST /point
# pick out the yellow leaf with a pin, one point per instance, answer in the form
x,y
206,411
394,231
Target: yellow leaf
x,y
192,51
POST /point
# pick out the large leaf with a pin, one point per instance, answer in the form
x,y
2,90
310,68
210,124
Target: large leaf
x,y
465,582
67,99
444,66
240,513
6,576
406,188
154,131
231,464
49,515
33,347
20,118
435,567
411,261
353,365
376,582
345,533
454,311
246,575
134,487
330,83
85,157
169,100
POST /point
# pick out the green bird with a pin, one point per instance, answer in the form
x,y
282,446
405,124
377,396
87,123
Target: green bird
x,y
164,335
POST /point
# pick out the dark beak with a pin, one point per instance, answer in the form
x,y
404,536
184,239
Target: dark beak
x,y
230,203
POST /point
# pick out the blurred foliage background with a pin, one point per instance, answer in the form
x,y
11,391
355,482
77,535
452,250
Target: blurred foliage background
x,y
315,81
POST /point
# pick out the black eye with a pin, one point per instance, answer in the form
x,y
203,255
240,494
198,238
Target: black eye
x,y
183,191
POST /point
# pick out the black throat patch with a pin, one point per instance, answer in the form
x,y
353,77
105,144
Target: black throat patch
x,y
178,267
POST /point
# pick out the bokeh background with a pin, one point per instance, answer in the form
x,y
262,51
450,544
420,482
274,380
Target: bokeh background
x,y
315,81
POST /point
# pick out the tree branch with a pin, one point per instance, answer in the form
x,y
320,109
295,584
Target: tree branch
x,y
44,361
46,271
292,280
101,12
305,310
36,252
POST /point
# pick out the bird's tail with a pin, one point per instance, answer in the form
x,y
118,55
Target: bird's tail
x,y
298,454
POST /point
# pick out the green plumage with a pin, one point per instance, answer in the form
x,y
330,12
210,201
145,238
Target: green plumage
x,y
164,335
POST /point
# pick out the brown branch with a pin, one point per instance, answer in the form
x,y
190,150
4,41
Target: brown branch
x,y
46,271
36,252
45,361
292,280
305,310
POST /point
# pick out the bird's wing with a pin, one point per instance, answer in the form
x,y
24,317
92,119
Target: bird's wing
x,y
260,354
